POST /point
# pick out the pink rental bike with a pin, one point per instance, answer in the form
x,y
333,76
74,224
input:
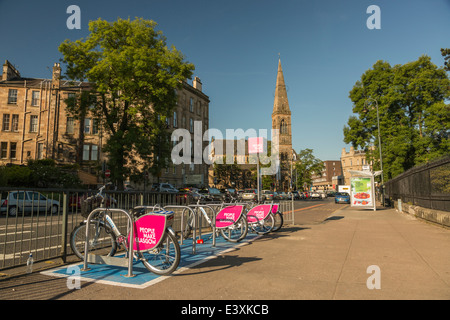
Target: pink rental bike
x,y
154,241
277,216
230,222
260,218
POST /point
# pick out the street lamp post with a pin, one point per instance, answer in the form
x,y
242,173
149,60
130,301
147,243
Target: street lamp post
x,y
379,148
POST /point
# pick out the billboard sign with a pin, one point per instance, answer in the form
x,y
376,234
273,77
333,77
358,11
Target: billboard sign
x,y
362,193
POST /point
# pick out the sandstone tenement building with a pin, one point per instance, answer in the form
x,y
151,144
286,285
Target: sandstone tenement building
x,y
35,124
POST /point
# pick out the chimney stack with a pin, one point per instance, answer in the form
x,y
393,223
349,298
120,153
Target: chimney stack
x,y
56,76
197,84
9,72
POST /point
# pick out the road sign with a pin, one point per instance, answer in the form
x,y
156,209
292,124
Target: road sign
x,y
107,173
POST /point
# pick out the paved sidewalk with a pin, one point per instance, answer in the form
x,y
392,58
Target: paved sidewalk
x,y
329,260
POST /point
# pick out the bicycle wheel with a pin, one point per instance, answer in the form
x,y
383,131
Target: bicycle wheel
x,y
101,241
164,259
237,231
188,225
278,223
263,226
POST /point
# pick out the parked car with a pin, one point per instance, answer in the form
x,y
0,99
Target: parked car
x,y
283,195
27,201
229,194
276,196
267,195
249,194
212,194
164,187
315,195
341,197
187,196
296,195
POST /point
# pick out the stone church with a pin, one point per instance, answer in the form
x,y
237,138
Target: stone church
x,y
281,120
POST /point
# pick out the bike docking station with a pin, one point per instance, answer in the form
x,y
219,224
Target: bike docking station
x,y
112,261
227,219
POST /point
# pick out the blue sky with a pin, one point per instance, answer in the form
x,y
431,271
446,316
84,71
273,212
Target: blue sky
x,y
325,47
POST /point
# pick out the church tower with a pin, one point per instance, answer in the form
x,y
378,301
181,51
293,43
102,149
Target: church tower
x,y
281,120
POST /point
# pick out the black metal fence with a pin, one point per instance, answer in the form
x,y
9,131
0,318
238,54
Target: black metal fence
x,y
427,186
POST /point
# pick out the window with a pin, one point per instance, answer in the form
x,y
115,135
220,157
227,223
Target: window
x,y
5,126
15,123
90,152
87,125
94,152
12,150
4,150
40,154
94,126
86,152
175,123
183,122
70,125
35,98
283,127
191,105
12,96
191,125
33,123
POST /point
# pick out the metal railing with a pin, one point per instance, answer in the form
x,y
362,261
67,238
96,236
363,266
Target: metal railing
x,y
40,221
426,186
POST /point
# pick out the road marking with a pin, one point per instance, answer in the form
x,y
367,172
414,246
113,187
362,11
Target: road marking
x,y
317,205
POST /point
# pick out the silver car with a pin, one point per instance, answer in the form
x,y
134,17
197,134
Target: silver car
x,y
249,194
27,201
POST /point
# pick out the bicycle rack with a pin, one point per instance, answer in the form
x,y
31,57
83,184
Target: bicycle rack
x,y
213,220
93,258
194,235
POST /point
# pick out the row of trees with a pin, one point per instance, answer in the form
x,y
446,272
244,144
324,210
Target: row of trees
x,y
414,114
304,168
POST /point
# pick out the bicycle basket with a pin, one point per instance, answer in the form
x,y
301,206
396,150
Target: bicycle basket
x,y
169,216
88,204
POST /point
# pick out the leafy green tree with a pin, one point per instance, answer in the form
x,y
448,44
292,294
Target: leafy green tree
x,y
227,173
42,173
306,166
413,115
134,76
446,54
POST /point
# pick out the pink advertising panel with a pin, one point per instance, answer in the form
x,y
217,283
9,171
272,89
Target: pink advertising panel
x,y
228,216
258,213
148,231
255,145
275,208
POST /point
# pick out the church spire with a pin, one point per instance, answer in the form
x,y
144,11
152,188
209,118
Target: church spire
x,y
280,104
